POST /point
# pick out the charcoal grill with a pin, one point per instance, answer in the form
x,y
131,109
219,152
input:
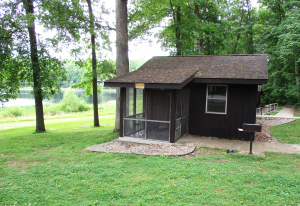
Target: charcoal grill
x,y
252,128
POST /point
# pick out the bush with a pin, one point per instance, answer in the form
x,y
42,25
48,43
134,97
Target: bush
x,y
13,111
72,103
53,109
107,108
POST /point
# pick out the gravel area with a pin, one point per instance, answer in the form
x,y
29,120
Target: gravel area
x,y
117,146
275,121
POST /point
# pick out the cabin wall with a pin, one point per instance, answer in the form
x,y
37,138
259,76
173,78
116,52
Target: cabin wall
x,y
241,108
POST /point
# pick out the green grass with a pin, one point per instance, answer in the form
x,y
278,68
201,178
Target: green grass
x,y
29,113
276,112
287,133
271,113
297,110
54,168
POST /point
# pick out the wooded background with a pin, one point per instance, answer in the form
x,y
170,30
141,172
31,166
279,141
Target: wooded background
x,y
183,27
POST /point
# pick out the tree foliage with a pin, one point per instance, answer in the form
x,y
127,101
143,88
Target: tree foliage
x,y
105,71
212,27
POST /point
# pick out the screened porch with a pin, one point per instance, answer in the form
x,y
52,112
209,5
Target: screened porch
x,y
155,114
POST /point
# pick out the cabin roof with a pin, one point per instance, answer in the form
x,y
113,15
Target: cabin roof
x,y
176,71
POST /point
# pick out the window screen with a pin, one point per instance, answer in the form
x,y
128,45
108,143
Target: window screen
x,y
216,101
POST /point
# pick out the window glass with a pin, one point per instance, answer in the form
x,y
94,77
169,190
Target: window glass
x,y
216,99
216,92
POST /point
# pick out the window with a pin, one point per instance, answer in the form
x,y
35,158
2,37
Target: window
x,y
216,99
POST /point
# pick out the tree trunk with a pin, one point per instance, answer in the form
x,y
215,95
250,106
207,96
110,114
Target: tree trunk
x,y
94,64
201,37
39,113
237,41
122,62
177,32
201,45
250,50
296,68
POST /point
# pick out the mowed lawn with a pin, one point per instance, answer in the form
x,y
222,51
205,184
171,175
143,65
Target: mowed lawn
x,y
54,168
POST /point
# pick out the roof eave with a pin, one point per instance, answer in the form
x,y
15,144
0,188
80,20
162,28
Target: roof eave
x,y
229,81
152,85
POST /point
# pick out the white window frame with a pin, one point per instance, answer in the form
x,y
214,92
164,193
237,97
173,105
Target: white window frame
x,y
216,98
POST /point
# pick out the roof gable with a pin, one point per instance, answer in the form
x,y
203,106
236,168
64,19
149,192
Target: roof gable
x,y
179,70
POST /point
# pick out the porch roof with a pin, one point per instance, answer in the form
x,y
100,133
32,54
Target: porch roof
x,y
175,72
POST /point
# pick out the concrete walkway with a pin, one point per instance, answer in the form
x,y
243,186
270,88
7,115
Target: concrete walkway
x,y
286,113
241,146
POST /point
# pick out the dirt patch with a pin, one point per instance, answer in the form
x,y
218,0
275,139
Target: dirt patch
x,y
21,166
82,126
201,152
265,134
253,153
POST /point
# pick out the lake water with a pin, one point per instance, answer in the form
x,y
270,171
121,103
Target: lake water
x,y
26,98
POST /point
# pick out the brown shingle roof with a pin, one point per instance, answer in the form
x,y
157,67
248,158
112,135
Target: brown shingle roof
x,y
178,69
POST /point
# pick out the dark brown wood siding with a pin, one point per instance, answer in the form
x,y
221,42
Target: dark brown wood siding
x,y
241,108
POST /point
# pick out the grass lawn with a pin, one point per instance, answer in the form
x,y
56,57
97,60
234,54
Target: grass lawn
x,y
276,112
28,113
54,168
297,110
287,133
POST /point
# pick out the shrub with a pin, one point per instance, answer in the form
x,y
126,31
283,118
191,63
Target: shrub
x,y
107,107
72,103
53,109
13,111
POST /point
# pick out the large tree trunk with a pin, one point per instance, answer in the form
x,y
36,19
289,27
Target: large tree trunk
x,y
122,62
94,64
177,32
296,68
201,45
250,50
40,125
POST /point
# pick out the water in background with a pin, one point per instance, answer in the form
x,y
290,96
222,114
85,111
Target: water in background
x,y
26,98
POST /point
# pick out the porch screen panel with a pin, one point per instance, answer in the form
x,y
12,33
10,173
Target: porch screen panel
x,y
178,103
134,128
158,131
185,102
184,126
158,104
129,101
178,129
140,105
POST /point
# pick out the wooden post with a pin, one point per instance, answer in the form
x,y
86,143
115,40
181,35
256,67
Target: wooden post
x,y
173,116
122,109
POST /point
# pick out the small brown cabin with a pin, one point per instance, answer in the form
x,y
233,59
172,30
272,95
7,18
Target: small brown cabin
x,y
168,97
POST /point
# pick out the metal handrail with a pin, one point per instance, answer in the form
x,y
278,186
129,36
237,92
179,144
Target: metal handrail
x,y
268,108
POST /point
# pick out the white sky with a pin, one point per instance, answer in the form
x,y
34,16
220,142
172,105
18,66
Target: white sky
x,y
137,49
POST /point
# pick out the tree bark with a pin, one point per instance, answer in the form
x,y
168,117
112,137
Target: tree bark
x,y
177,32
40,125
296,68
201,45
94,64
201,37
122,62
250,50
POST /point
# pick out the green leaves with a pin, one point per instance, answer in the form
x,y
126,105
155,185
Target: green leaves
x,y
105,71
